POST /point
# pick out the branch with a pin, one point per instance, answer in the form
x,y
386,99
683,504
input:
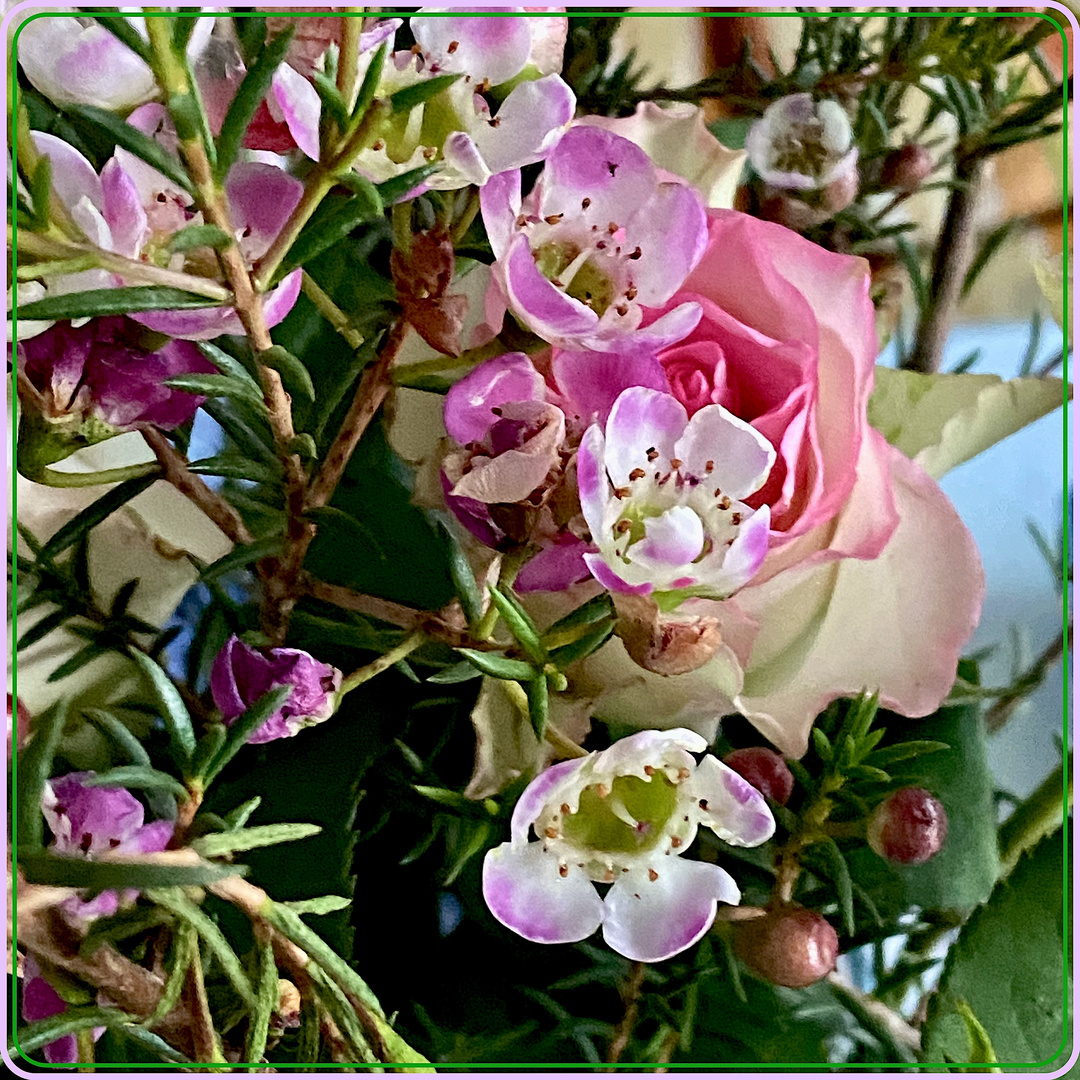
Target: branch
x,y
1000,712
195,488
952,257
631,996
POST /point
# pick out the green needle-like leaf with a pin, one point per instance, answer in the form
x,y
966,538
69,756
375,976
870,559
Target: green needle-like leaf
x,y
173,710
32,770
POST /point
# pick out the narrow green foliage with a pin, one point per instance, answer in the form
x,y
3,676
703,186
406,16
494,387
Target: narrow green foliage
x,y
366,94
73,1020
536,690
141,777
332,222
584,646
463,577
134,141
185,945
33,768
397,187
71,532
294,375
318,905
40,187
173,710
72,871
420,93
216,845
333,102
244,727
238,818
218,386
242,556
229,366
499,666
99,302
266,1001
841,877
120,734
174,900
519,624
248,98
197,236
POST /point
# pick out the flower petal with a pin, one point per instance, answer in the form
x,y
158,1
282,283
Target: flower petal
x,y
653,920
495,382
526,891
495,49
261,198
742,458
590,382
672,540
123,210
530,121
540,791
642,422
73,177
729,805
672,229
300,106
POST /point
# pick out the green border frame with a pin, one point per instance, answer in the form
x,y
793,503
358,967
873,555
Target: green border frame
x,y
806,1067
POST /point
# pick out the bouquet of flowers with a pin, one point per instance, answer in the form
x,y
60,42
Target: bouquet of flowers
x,y
484,592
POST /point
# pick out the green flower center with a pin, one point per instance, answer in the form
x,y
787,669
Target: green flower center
x,y
627,819
578,277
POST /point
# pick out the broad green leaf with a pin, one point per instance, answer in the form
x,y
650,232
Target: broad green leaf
x,y
217,844
46,868
32,769
248,98
943,420
173,710
75,529
965,870
132,139
1008,967
98,302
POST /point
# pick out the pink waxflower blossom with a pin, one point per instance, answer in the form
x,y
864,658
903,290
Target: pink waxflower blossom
x,y
600,235
74,60
616,817
134,210
662,495
90,821
241,675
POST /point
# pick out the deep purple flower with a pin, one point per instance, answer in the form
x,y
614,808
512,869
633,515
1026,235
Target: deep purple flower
x,y
241,675
91,821
617,817
107,372
600,235
662,496
40,1001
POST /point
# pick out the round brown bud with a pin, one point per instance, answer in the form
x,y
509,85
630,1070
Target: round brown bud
x,y
906,168
909,827
765,769
791,946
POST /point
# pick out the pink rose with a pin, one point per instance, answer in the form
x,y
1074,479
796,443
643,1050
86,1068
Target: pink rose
x,y
871,578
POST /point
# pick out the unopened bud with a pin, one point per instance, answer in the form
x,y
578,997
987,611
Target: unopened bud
x,y
906,168
765,769
909,827
663,643
791,946
288,1008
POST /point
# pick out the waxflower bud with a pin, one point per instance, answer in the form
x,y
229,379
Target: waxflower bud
x,y
790,946
241,675
909,827
765,769
906,168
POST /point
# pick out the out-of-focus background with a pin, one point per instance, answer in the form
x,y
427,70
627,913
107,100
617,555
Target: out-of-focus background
x,y
1018,485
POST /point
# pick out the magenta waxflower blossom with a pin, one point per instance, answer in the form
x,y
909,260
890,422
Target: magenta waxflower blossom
x,y
104,373
617,817
661,493
600,235
134,210
91,821
77,61
40,1001
241,675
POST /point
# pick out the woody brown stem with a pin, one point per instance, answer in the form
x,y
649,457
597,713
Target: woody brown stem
x,y
177,473
631,996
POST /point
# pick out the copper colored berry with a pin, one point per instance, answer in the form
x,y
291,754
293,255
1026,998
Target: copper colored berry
x,y
909,827
765,769
906,168
791,946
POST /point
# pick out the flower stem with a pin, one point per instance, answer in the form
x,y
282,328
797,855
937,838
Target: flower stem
x,y
330,311
58,479
387,660
631,996
349,56
1039,815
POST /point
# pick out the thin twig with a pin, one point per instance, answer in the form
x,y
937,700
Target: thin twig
x,y
387,660
667,1051
330,311
193,487
631,996
370,394
952,257
887,1026
1000,712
